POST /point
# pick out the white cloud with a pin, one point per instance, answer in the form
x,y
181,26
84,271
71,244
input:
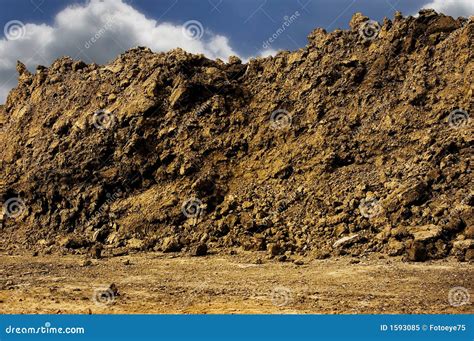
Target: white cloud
x,y
455,8
97,32
268,52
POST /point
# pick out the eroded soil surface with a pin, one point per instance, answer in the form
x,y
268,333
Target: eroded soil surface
x,y
244,283
352,145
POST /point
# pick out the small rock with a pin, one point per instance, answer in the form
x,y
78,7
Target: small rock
x,y
425,233
469,257
298,262
234,60
78,65
22,69
186,168
398,16
96,252
112,238
427,13
461,248
114,290
100,235
443,24
340,230
170,244
72,242
345,241
322,254
469,232
200,250
395,247
282,171
274,249
135,243
247,220
120,253
87,262
357,19
247,205
417,252
177,95
410,193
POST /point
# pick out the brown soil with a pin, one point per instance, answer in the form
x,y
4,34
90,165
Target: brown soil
x,y
160,283
349,146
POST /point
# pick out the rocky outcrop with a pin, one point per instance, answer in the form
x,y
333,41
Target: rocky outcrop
x,y
362,133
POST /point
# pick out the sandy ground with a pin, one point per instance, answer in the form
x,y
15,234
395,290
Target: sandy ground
x,y
163,283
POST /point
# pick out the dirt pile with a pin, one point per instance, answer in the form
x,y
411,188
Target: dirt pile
x,y
361,142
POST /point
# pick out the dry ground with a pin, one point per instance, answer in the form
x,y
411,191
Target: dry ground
x,y
163,283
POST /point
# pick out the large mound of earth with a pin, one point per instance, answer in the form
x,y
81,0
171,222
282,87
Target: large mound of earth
x,y
359,143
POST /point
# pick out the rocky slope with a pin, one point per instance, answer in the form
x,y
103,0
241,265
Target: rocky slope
x,y
359,143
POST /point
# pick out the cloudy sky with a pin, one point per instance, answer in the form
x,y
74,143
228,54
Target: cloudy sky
x,y
39,31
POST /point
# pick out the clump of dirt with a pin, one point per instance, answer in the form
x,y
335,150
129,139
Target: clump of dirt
x,y
359,143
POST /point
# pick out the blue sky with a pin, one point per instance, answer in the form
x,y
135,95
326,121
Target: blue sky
x,y
247,23
48,29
